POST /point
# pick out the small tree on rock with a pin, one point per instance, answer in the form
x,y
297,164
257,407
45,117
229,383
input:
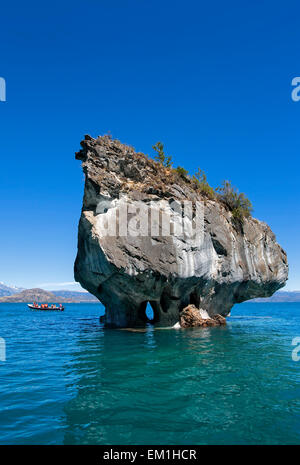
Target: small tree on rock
x,y
200,181
160,156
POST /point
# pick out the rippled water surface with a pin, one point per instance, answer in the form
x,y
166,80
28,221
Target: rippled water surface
x,y
66,380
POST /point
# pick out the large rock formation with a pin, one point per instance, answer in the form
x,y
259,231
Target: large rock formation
x,y
226,262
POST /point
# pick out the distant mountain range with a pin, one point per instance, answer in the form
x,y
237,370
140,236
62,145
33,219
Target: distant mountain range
x,y
76,296
15,294
281,296
5,289
32,295
18,294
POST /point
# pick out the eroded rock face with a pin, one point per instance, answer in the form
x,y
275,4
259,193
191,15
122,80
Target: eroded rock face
x,y
225,263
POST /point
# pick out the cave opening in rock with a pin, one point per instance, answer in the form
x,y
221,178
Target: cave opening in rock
x,y
195,299
148,312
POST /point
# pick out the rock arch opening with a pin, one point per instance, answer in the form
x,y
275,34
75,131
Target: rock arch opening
x,y
195,299
148,312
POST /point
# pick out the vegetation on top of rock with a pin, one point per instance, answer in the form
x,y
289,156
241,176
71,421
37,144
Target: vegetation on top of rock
x,y
237,202
161,174
200,181
160,156
183,173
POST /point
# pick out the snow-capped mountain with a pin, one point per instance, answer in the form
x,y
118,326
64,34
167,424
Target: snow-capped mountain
x,y
6,289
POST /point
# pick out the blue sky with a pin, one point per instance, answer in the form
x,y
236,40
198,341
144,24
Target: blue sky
x,y
212,80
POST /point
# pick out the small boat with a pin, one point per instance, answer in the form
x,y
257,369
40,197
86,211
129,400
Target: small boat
x,y
50,308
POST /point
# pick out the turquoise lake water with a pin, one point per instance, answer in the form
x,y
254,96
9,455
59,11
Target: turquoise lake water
x,y
67,380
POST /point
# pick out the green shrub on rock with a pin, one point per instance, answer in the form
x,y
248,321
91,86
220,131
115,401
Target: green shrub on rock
x,y
183,173
160,156
238,203
200,181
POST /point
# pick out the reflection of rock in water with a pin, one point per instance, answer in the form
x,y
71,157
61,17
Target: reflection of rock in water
x,y
227,264
127,380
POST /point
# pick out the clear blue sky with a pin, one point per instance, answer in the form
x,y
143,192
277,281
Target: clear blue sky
x,y
212,80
